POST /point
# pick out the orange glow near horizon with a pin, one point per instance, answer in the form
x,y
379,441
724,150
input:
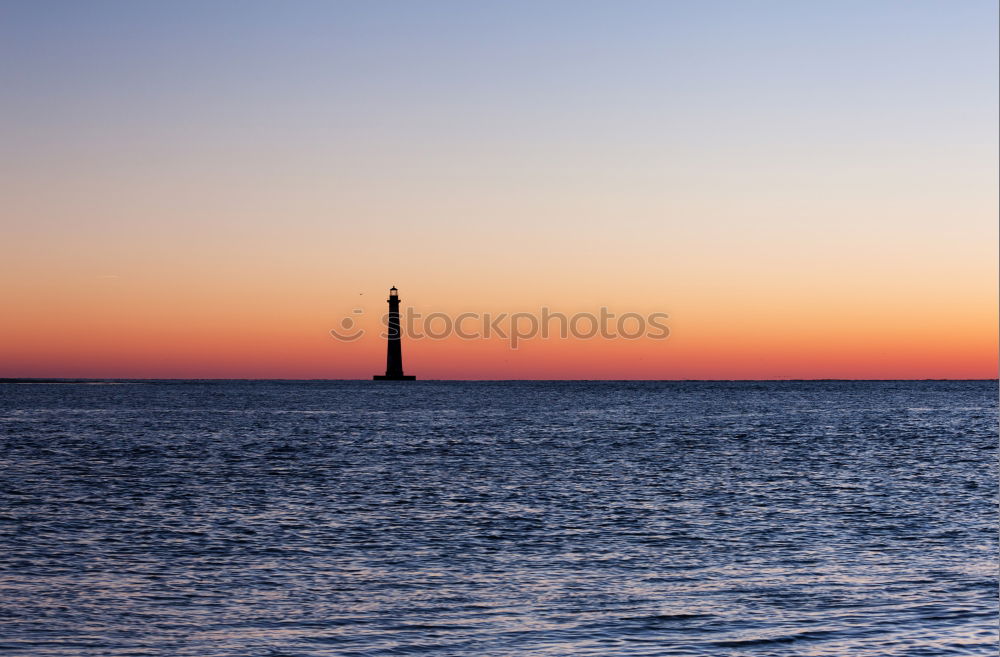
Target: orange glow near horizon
x,y
110,328
253,305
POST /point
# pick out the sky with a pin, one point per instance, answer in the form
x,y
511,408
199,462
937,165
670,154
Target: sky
x,y
205,190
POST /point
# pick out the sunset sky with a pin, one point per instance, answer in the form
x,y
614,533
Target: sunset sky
x,y
205,189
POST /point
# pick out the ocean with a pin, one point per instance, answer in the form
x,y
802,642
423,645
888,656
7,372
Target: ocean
x,y
361,518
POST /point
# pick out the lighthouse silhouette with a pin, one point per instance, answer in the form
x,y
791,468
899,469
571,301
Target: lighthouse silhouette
x,y
394,353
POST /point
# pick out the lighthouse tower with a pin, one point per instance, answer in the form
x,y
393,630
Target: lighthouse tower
x,y
394,354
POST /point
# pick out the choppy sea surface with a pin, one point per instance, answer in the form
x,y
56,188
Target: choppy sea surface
x,y
499,518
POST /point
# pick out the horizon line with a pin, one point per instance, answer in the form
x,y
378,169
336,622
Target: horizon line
x,y
42,380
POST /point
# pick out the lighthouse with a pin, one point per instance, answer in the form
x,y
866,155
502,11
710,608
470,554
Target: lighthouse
x,y
394,353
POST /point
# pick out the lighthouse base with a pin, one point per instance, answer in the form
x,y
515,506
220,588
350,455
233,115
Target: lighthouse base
x,y
394,377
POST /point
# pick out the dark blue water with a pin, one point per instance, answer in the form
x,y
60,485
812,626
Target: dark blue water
x,y
361,518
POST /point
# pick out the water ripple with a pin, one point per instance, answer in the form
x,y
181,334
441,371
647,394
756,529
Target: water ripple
x,y
501,519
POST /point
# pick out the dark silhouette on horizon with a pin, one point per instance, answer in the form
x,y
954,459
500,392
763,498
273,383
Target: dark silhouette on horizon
x,y
394,353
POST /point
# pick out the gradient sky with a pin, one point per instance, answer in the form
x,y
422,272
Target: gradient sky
x,y
204,189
